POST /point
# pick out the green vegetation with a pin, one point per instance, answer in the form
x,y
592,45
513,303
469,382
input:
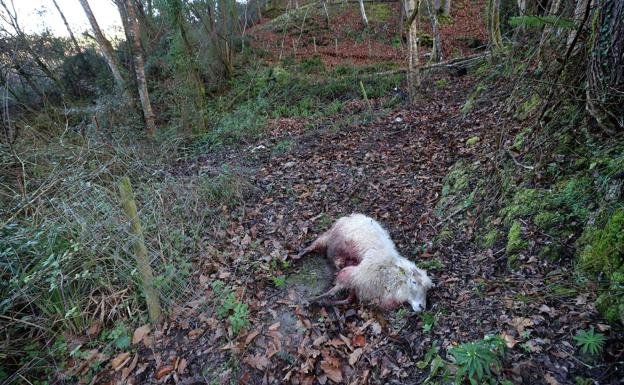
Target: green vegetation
x,y
514,239
604,255
589,341
429,321
477,360
472,141
227,306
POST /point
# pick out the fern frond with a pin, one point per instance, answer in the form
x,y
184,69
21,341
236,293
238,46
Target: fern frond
x,y
540,21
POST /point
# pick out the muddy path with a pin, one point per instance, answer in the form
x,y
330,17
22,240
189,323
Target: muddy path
x,y
391,168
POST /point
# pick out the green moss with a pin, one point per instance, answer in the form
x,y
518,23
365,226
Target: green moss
x,y
515,242
528,106
441,83
526,202
472,141
552,252
547,220
604,255
378,12
490,239
520,139
444,236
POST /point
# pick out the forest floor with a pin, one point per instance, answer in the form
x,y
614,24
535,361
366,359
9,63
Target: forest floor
x,y
391,167
248,322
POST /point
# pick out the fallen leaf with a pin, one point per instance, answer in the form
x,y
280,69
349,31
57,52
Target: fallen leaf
x,y
358,340
182,366
334,373
195,333
275,326
251,336
94,328
162,372
548,310
119,361
550,379
319,341
509,340
140,333
258,361
355,356
127,370
533,346
520,323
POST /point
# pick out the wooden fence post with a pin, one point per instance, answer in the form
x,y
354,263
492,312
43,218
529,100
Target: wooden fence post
x,y
140,251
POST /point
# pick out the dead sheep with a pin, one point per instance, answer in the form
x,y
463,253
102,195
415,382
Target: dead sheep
x,y
369,265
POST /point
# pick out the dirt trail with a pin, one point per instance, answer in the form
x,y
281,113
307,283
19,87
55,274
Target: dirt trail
x,y
392,169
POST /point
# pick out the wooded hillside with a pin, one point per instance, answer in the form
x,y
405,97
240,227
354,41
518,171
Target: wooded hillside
x,y
158,183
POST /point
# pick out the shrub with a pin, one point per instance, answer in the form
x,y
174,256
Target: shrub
x,y
589,341
475,360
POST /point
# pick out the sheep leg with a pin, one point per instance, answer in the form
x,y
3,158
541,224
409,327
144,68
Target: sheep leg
x,y
318,246
333,291
345,301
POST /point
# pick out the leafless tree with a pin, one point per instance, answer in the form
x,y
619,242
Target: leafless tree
x,y
107,51
71,34
137,54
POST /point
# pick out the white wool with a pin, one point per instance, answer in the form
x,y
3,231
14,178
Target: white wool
x,y
382,275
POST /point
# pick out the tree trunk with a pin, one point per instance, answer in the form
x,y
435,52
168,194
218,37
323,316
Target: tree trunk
x,y
493,24
548,28
107,51
193,78
148,114
363,12
413,73
71,34
447,8
436,51
225,40
605,78
125,20
578,16
324,3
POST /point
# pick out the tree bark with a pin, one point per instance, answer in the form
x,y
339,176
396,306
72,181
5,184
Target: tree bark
x,y
447,8
548,28
436,52
363,12
107,51
71,34
413,73
148,114
605,78
493,24
578,16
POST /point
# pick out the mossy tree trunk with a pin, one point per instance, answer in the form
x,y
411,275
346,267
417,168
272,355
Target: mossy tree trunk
x,y
493,25
140,251
605,75
436,52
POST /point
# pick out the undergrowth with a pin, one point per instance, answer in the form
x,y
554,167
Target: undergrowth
x,y
295,90
558,188
65,245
